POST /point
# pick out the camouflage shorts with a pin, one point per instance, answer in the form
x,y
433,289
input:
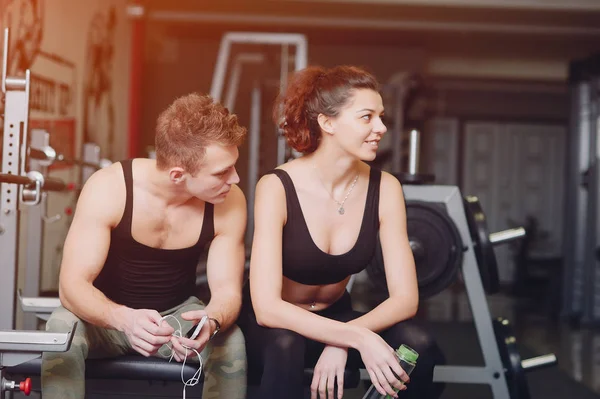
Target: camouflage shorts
x,y
63,374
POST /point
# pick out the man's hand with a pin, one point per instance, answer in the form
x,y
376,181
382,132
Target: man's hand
x,y
182,346
331,365
145,330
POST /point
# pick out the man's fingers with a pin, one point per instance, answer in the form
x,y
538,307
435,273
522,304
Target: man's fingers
x,y
179,349
154,316
161,327
142,346
193,315
152,339
190,343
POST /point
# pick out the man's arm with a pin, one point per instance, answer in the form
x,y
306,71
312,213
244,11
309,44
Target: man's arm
x,y
85,251
226,259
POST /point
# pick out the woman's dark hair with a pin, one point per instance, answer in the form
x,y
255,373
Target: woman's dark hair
x,y
313,91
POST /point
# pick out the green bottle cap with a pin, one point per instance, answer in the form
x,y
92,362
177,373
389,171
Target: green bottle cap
x,y
407,353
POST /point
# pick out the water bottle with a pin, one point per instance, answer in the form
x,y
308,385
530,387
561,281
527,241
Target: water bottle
x,y
407,357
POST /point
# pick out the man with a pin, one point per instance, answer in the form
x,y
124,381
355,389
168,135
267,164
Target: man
x,y
131,254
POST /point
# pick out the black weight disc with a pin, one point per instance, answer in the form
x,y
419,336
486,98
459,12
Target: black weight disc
x,y
484,251
511,360
436,247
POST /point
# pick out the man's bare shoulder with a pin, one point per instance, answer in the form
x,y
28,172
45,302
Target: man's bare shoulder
x,y
104,193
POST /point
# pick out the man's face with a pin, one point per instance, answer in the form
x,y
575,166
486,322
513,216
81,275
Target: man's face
x,y
216,174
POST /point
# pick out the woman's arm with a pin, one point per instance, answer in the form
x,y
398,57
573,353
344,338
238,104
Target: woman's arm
x,y
266,276
398,259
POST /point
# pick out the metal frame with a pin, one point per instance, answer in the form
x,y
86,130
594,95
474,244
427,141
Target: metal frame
x,y
36,215
17,347
492,373
16,117
253,155
591,313
263,20
581,280
282,39
236,74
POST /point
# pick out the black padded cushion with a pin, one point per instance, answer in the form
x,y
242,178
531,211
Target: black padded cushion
x,y
135,367
351,377
130,367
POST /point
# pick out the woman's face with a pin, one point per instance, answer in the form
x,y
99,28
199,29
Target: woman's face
x,y
358,128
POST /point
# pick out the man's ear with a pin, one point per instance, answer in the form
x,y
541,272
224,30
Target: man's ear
x,y
326,124
177,175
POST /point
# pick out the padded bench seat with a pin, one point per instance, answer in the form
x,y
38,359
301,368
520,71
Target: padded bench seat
x,y
130,367
135,367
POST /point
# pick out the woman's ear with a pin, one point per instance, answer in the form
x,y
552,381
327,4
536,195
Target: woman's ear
x,y
326,124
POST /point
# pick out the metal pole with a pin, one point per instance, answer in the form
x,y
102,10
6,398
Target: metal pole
x,y
398,129
35,233
253,156
413,157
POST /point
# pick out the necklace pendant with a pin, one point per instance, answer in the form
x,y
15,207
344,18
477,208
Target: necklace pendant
x,y
313,305
341,210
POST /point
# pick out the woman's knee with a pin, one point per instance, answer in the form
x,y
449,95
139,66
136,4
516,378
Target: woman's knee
x,y
284,345
417,337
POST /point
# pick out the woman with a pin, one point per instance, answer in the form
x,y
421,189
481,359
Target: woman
x,y
316,223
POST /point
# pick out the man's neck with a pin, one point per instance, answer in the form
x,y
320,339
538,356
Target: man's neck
x,y
161,186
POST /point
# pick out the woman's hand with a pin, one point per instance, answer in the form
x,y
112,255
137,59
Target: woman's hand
x,y
331,365
381,364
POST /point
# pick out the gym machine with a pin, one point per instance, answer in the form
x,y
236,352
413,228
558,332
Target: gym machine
x,y
581,303
448,236
17,347
18,187
285,40
20,350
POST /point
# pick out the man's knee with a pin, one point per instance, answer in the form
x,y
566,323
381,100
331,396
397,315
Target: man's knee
x,y
61,320
230,344
228,352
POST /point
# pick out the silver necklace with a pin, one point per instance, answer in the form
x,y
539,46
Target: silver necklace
x,y
340,210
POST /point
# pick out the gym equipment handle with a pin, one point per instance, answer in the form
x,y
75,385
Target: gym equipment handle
x,y
24,386
50,184
45,154
539,362
504,236
413,155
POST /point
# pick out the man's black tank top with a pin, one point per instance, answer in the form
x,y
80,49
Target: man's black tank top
x,y
304,262
143,277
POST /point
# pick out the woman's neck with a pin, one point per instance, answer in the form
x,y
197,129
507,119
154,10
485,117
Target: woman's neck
x,y
335,173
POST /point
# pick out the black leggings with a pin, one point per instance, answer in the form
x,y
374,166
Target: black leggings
x,y
278,356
